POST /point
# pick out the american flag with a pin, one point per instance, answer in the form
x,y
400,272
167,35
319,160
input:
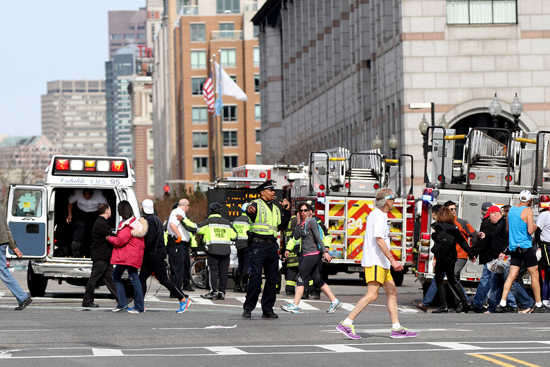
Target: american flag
x,y
208,93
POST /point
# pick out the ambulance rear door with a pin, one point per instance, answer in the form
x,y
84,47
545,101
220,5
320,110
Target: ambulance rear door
x,y
27,216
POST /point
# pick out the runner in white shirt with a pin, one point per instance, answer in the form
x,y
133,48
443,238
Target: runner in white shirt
x,y
377,261
178,249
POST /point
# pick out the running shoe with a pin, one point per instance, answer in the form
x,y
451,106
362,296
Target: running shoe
x,y
348,330
402,333
334,306
541,309
118,309
184,306
133,310
289,307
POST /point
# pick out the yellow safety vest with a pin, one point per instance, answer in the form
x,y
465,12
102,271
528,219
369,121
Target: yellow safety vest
x,y
267,221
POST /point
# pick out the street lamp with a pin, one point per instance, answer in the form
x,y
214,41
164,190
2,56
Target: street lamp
x,y
495,109
516,108
444,124
423,127
393,143
377,142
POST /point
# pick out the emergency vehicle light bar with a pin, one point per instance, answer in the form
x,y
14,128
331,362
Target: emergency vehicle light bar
x,y
89,167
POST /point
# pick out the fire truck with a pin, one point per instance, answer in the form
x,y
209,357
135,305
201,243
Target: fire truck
x,y
496,165
342,186
277,172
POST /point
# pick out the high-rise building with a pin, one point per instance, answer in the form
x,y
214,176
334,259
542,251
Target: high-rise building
x,y
73,116
118,72
126,27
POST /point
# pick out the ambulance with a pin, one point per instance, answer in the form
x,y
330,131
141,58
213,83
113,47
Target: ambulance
x,y
37,216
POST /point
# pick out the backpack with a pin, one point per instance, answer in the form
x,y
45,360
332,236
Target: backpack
x,y
442,244
321,233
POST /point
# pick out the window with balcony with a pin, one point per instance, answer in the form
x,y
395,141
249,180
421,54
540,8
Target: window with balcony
x,y
228,57
230,139
229,113
198,32
228,6
198,59
230,162
227,30
196,86
200,164
481,11
256,58
199,115
200,139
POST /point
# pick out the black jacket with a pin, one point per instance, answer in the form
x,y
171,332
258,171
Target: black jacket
x,y
101,249
154,239
483,247
499,239
453,230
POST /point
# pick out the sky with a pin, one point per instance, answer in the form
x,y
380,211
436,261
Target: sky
x,y
43,41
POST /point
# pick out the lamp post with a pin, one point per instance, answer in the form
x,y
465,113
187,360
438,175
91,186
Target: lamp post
x,y
495,109
444,124
377,142
516,108
393,144
423,127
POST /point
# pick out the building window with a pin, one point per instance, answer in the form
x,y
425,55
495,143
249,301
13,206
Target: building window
x,y
200,115
256,51
129,36
229,113
258,136
228,7
116,36
198,59
230,162
230,139
200,139
227,30
200,164
141,36
228,57
256,83
196,86
481,11
198,32
257,112
258,159
256,31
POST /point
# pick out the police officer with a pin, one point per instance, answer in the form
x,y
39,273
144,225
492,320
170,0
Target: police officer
x,y
242,225
266,220
218,234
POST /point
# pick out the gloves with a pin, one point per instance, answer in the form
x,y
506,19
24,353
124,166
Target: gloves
x,y
178,240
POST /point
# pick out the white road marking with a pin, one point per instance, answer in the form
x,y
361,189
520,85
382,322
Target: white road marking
x,y
406,309
348,306
243,299
5,355
2,294
456,346
226,350
303,305
101,352
201,301
341,348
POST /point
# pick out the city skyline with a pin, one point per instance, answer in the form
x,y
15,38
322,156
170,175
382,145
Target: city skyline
x,y
45,51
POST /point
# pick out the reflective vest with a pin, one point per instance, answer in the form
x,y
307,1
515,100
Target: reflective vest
x,y
242,225
217,233
267,221
293,259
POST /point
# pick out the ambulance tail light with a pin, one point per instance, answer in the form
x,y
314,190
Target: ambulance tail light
x,y
117,166
62,164
89,166
103,166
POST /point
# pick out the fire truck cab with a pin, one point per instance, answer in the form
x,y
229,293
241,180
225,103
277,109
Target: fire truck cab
x,y
342,187
37,216
496,165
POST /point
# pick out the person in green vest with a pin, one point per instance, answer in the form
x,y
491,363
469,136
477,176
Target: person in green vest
x,y
292,260
242,225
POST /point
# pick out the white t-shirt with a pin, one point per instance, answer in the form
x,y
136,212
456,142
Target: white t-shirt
x,y
85,205
543,222
173,219
377,226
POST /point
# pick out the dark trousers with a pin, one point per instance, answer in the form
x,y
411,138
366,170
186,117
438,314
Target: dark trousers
x,y
218,264
244,261
158,267
101,269
264,256
443,267
83,225
290,277
180,263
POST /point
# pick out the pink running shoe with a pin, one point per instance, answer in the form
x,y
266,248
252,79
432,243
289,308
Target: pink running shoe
x,y
402,333
348,331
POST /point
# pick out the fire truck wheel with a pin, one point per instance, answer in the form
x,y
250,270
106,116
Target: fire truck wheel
x,y
398,276
36,283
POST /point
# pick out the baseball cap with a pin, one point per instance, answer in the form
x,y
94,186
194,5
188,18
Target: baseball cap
x,y
525,196
491,210
486,205
147,206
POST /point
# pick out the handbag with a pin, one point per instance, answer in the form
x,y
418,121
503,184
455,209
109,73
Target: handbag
x,y
442,243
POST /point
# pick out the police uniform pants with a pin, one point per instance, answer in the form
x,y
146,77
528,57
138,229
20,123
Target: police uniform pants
x,y
218,264
180,263
263,255
158,267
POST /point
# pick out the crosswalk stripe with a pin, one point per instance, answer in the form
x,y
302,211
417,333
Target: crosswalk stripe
x,y
456,346
107,352
243,299
226,350
348,306
303,305
341,348
201,301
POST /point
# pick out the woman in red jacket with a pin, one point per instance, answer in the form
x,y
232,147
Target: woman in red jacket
x,y
129,245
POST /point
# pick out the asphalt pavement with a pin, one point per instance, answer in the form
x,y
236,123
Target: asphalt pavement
x,y
55,330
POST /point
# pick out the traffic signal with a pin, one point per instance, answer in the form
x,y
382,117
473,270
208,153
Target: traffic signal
x,y
166,190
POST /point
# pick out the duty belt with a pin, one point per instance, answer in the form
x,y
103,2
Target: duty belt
x,y
261,240
174,238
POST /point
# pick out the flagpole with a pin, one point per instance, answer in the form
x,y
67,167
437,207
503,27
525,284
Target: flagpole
x,y
220,131
213,127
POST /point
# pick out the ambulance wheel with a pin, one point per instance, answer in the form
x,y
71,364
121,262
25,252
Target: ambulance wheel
x,y
36,283
398,277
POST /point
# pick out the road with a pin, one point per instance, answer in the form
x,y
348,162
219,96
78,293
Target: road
x,y
55,330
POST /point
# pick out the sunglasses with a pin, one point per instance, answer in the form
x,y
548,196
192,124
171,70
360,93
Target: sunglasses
x,y
303,210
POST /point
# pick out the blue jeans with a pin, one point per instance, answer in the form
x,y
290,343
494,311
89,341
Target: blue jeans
x,y
432,291
134,278
8,279
517,293
483,288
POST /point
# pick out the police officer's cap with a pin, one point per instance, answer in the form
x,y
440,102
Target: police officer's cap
x,y
267,185
215,207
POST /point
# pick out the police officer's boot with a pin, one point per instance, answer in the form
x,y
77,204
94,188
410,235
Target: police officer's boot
x,y
238,287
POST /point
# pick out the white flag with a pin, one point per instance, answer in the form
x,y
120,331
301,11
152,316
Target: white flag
x,y
228,86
